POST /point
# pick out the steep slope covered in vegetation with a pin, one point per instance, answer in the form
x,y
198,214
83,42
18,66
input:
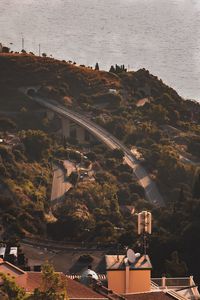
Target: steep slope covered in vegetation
x,y
137,108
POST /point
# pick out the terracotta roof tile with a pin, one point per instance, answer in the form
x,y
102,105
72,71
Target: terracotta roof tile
x,y
149,296
78,290
75,290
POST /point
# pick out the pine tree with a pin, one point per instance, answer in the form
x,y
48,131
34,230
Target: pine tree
x,y
97,67
112,69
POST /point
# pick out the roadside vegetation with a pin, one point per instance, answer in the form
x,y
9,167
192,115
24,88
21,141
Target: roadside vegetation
x,y
137,108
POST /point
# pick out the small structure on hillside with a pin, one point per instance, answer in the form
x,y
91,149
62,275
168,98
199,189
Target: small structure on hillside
x,y
113,91
4,49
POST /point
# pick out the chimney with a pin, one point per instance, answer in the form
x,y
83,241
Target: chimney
x,y
128,278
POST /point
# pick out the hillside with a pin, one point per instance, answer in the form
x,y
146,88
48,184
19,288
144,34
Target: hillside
x,y
136,107
164,125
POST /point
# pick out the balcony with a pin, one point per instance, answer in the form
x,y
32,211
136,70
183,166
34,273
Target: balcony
x,y
180,288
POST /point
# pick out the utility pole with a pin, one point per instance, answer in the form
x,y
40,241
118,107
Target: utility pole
x,y
39,49
22,43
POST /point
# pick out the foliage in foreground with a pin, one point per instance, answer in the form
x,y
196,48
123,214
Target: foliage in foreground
x,y
53,287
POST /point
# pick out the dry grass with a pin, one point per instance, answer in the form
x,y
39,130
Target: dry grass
x,y
66,80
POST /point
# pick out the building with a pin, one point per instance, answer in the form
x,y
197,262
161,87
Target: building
x,y
132,280
125,281
32,280
125,278
1,48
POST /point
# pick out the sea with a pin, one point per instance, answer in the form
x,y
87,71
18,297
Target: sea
x,y
162,36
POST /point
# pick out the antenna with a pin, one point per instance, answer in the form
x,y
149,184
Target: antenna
x,y
144,222
131,256
144,228
22,40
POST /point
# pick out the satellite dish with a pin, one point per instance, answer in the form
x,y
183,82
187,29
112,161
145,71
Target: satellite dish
x,y
126,260
131,256
137,255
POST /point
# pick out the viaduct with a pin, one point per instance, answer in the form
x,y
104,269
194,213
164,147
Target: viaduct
x,y
82,128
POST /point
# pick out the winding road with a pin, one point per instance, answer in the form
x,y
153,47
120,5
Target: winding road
x,y
151,190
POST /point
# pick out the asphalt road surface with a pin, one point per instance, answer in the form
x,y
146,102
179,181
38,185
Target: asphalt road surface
x,y
66,261
59,185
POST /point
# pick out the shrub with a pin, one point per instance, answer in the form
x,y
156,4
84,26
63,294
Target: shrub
x,y
125,177
36,143
117,153
7,124
85,258
73,178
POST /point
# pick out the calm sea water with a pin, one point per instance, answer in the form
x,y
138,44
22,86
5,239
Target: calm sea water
x,y
160,35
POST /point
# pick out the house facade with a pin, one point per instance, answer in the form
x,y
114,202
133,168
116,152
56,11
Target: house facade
x,y
124,282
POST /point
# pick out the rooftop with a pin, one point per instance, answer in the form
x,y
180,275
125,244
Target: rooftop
x,y
75,290
149,296
161,288
32,280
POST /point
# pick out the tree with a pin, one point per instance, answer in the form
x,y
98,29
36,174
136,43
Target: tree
x,y
194,146
73,178
3,170
7,124
112,69
178,203
123,196
117,69
125,168
36,143
91,156
97,67
158,113
53,286
176,267
104,177
6,155
105,231
117,153
134,187
125,177
196,186
10,289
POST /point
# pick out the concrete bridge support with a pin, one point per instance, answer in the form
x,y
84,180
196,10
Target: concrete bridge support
x,y
65,127
80,134
50,115
72,130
